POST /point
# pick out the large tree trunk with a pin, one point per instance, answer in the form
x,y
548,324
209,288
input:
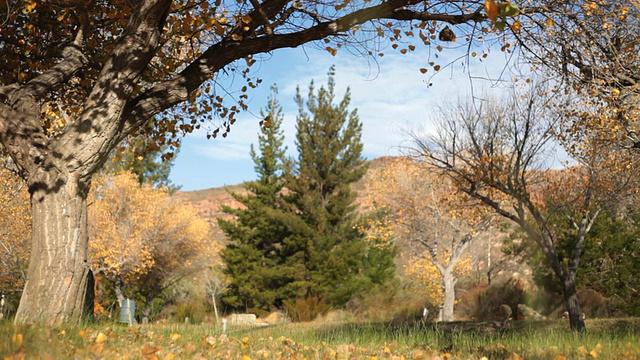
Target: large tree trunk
x,y
56,284
448,284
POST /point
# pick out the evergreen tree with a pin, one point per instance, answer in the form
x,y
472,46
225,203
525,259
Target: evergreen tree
x,y
257,261
323,218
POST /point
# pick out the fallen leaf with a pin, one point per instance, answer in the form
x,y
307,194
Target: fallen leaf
x,y
17,339
101,337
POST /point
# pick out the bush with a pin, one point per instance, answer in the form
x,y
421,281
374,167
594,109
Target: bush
x,y
399,303
305,309
594,304
195,311
483,302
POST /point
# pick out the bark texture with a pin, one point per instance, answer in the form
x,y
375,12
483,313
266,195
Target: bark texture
x,y
58,271
448,283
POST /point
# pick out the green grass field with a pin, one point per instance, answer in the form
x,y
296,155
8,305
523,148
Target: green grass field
x,y
605,339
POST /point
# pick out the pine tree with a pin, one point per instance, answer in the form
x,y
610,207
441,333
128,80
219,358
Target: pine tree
x,y
318,183
256,257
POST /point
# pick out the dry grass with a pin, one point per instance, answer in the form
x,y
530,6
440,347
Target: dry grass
x,y
606,339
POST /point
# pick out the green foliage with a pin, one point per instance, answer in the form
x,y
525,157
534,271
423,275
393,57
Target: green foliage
x,y
258,259
609,264
322,203
297,236
611,261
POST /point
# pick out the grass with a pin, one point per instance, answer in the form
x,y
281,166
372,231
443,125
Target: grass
x,y
605,339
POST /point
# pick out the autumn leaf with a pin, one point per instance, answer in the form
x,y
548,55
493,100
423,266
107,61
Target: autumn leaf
x,y
17,339
100,338
491,9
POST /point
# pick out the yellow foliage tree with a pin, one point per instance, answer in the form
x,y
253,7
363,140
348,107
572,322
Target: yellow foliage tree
x,y
434,219
15,232
422,269
143,241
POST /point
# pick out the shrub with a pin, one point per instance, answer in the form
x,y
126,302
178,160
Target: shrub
x,y
195,311
483,302
306,309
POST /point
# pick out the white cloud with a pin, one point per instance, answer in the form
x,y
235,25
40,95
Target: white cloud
x,y
390,102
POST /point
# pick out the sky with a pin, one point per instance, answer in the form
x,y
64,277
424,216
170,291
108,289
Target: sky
x,y
390,93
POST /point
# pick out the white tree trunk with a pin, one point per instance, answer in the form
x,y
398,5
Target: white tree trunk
x,y
448,284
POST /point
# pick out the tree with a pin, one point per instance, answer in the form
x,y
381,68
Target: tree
x,y
105,69
497,155
15,232
609,262
256,257
591,48
144,242
322,211
142,156
435,220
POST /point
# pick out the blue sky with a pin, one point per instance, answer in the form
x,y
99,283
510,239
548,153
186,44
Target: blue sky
x,y
391,96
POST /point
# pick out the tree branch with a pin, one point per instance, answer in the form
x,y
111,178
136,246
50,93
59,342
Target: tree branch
x,y
169,93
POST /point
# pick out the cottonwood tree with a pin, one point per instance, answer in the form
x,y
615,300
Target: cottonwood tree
x,y
144,241
592,49
434,219
80,77
142,156
498,153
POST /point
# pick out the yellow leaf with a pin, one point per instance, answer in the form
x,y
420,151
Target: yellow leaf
x,y
175,337
515,27
491,8
101,337
31,5
17,339
246,357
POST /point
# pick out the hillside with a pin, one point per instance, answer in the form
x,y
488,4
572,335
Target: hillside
x,y
209,201
485,251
